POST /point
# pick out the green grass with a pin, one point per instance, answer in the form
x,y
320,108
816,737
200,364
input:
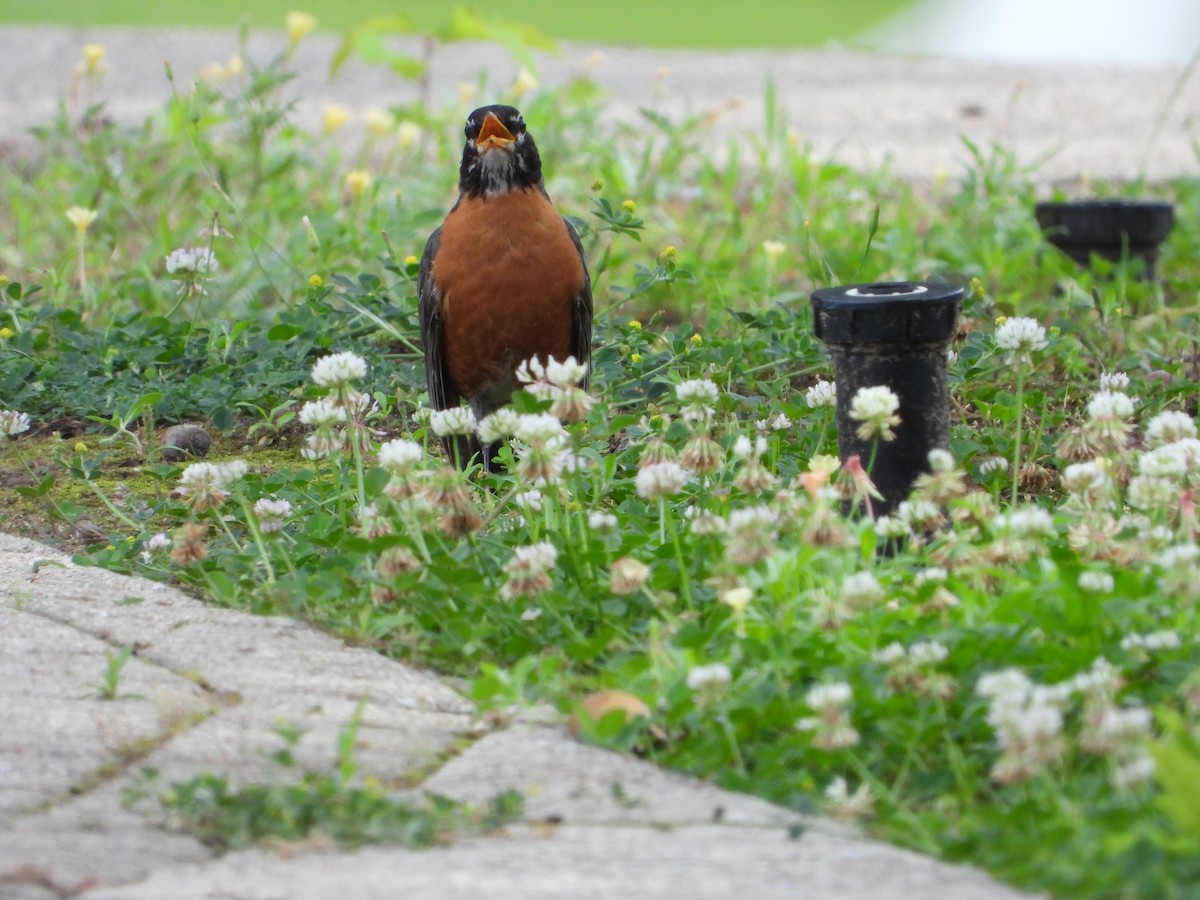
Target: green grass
x,y
990,689
702,24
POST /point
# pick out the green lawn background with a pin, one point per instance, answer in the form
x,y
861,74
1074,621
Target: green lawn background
x,y
697,24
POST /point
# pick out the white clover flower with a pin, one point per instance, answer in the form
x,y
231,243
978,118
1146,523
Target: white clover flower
x,y
1149,493
271,514
1136,770
661,480
928,653
498,425
538,427
1115,726
1010,683
627,575
565,374
831,724
1085,478
1179,555
992,464
456,420
191,261
541,555
840,802
941,460
824,696
861,589
1100,683
779,422
918,515
531,371
701,391
935,574
338,369
1021,336
1027,521
752,516
1168,461
160,541
1110,405
1114,381
12,422
203,474
1096,582
875,409
823,393
400,455
1169,426
710,677
230,471
892,653
602,521
527,572
319,413
891,528
951,357
1167,639
528,500
702,523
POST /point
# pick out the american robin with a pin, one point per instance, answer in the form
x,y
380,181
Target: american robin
x,y
503,280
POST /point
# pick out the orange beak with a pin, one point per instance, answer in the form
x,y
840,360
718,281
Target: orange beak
x,y
492,133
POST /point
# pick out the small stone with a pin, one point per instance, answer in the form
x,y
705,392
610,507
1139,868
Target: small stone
x,y
89,532
181,441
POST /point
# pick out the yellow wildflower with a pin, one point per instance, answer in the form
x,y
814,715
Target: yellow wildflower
x,y
81,218
358,181
635,324
525,82
773,249
379,121
315,280
299,25
629,205
407,134
334,117
93,59
5,333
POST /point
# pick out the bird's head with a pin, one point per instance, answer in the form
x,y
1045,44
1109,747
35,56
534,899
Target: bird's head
x,y
499,155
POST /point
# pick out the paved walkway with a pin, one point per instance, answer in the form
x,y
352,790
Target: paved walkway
x,y
1081,120
208,687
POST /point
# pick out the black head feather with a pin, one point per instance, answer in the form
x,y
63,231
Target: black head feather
x,y
498,166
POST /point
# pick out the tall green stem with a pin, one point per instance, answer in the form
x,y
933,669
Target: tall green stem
x,y
1016,482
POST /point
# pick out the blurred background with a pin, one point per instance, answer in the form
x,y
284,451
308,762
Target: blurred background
x,y
1143,32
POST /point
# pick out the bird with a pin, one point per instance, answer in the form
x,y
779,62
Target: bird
x,y
504,279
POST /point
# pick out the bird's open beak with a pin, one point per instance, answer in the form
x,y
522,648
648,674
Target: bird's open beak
x,y
492,133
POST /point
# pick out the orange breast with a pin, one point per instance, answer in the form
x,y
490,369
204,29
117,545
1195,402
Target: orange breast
x,y
508,272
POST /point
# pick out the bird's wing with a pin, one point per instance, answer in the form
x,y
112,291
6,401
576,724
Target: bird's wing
x,y
429,307
581,336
